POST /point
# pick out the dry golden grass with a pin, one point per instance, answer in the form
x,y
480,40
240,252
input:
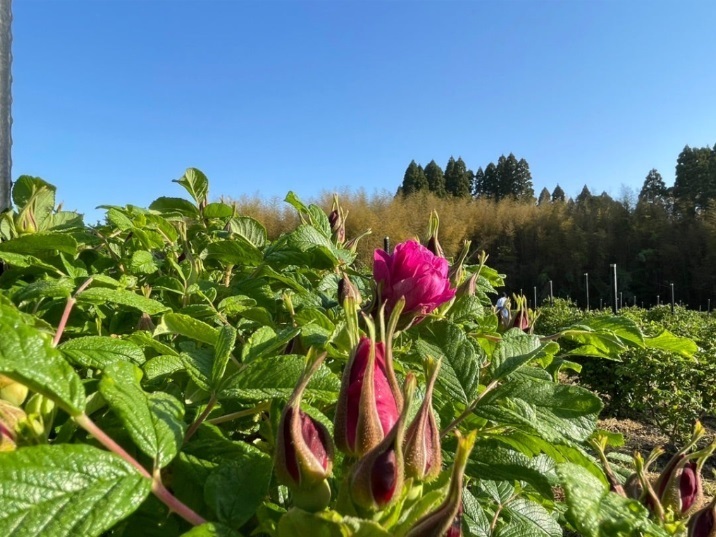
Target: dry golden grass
x,y
481,221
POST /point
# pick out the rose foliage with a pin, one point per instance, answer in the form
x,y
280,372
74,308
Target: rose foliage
x,y
172,371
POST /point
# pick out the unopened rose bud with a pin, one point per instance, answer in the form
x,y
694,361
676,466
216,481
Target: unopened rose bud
x,y
433,228
423,457
633,487
683,491
369,402
445,520
703,523
346,289
304,451
146,323
521,321
377,478
337,221
468,287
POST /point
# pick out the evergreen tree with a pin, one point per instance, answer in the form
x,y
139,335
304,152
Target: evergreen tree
x,y
558,194
514,178
414,180
436,179
544,197
695,183
654,189
478,183
491,183
457,178
584,196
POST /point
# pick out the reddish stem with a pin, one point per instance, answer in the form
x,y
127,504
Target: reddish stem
x,y
158,488
68,308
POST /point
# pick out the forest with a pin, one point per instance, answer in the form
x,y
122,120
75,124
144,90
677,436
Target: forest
x,y
665,235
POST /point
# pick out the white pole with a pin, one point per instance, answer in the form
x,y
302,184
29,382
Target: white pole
x,y
5,103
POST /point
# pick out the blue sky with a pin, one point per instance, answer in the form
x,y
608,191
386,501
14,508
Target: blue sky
x,y
115,98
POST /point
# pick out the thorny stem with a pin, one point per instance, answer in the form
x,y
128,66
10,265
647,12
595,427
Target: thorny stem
x,y
202,417
239,414
491,386
158,488
68,308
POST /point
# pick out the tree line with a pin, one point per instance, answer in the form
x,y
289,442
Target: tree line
x,y
665,234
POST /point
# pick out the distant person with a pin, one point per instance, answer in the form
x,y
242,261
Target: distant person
x,y
503,309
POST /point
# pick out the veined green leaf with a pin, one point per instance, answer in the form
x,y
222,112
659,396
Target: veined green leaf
x,y
265,341
218,210
234,505
59,288
143,262
596,512
27,356
222,352
66,491
211,529
667,341
277,377
517,349
236,251
196,184
177,323
102,295
39,243
460,371
154,421
100,351
174,205
528,519
250,229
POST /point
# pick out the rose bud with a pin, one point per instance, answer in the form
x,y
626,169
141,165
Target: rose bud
x,y
414,273
703,523
433,243
304,451
377,478
423,457
682,492
633,487
346,289
468,287
369,401
445,520
337,221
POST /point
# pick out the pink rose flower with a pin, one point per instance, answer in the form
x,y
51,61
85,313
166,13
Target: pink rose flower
x,y
413,272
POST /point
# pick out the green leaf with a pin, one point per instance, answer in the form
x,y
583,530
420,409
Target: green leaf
x,y
27,356
196,184
162,366
555,412
235,505
237,251
178,323
143,262
277,377
174,205
460,371
26,261
60,288
249,229
154,421
222,352
102,295
667,341
265,341
517,349
299,523
36,198
66,491
218,210
41,243
596,512
528,519
491,460
99,351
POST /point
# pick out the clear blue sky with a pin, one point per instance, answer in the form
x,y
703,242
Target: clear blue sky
x,y
114,99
